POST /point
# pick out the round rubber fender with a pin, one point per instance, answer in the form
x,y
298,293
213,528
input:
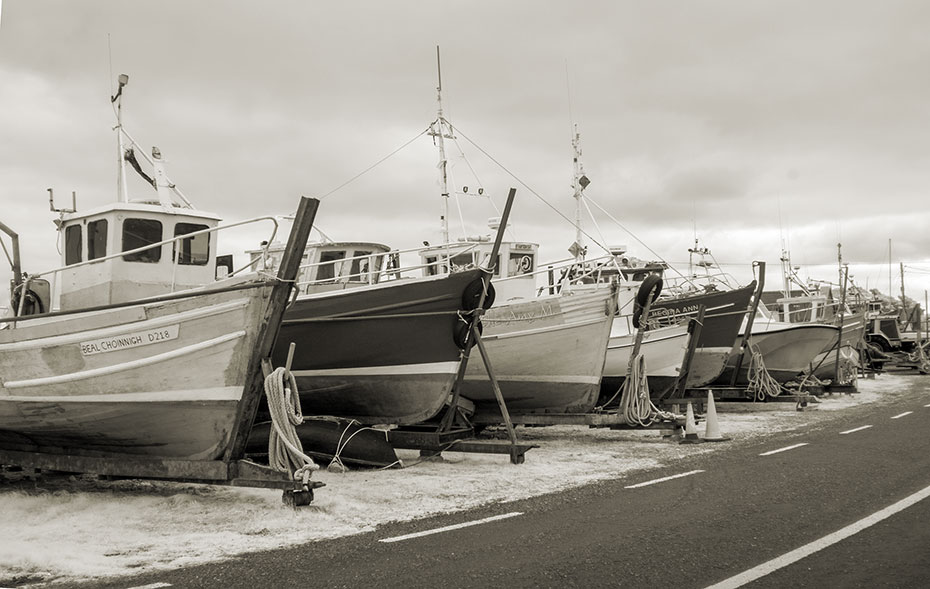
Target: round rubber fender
x,y
32,306
460,332
472,295
650,282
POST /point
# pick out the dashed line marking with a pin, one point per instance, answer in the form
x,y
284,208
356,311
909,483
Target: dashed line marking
x,y
927,405
770,452
151,586
452,527
663,479
795,555
858,429
902,415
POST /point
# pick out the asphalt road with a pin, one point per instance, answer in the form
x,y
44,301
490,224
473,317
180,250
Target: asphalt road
x,y
741,510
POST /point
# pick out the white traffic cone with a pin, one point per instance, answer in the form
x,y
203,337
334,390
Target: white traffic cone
x,y
691,435
712,429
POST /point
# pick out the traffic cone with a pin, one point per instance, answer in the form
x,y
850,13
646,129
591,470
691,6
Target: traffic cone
x,y
712,429
691,435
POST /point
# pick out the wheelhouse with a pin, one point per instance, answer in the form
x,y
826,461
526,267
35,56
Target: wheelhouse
x,y
167,249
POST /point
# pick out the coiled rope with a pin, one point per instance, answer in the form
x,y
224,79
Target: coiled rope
x,y
761,384
285,452
636,406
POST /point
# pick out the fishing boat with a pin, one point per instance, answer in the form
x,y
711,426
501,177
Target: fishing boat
x,y
393,343
131,347
390,351
786,349
816,304
665,340
663,348
547,354
163,377
131,359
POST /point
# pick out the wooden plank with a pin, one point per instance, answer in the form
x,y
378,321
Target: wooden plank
x,y
122,466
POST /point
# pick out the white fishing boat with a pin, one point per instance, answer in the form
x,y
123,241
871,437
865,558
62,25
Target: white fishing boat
x,y
131,348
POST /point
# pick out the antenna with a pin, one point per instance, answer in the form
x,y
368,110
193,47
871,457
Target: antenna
x,y
117,99
579,183
438,133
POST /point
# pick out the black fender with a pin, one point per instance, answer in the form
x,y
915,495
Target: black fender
x,y
472,295
460,332
652,284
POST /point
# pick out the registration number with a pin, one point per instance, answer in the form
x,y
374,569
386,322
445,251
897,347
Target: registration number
x,y
129,340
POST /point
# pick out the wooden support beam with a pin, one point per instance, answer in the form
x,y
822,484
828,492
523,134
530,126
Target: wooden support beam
x,y
271,323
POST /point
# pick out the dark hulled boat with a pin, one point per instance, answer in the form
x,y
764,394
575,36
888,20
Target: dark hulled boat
x,y
724,312
385,353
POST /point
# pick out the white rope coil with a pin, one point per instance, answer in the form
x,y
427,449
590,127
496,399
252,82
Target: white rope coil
x,y
761,383
635,404
285,452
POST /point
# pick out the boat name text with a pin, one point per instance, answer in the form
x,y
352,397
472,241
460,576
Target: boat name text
x,y
129,340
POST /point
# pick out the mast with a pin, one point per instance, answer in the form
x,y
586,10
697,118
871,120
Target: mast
x,y
579,183
786,283
839,261
437,131
121,184
889,267
903,299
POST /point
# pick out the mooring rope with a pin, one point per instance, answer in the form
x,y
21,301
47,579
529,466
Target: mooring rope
x,y
636,406
285,452
761,383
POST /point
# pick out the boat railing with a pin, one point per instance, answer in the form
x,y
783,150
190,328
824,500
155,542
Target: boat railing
x,y
54,272
391,271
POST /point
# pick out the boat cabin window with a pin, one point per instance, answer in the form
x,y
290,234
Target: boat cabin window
x,y
327,270
431,268
194,251
72,245
140,233
360,267
96,239
520,264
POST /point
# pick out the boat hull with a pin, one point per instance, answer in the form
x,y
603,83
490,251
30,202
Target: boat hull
x,y
852,340
380,355
664,349
547,355
724,312
157,379
787,350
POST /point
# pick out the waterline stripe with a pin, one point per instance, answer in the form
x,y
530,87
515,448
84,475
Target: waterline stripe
x,y
452,527
902,415
828,540
663,479
858,429
770,452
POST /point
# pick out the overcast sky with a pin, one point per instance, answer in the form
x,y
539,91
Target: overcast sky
x,y
751,124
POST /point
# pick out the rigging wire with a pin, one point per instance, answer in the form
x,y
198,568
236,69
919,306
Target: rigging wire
x,y
529,189
374,165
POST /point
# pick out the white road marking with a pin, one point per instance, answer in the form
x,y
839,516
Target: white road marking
x,y
663,479
452,527
151,586
928,405
858,429
902,415
770,452
828,540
